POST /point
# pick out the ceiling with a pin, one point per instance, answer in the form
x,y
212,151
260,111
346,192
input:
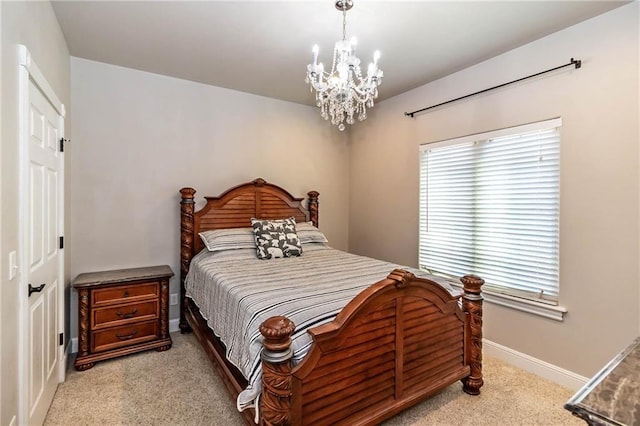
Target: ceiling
x,y
263,47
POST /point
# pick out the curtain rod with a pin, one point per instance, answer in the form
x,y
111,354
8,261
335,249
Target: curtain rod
x,y
575,62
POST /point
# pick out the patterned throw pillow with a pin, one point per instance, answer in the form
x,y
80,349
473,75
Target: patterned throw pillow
x,y
276,238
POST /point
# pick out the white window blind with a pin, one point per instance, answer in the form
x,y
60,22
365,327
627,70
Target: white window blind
x,y
489,205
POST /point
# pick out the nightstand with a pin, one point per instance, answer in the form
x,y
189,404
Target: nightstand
x,y
121,312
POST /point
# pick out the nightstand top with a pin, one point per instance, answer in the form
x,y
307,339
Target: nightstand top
x,y
122,276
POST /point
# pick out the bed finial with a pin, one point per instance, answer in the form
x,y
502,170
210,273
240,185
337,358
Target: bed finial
x,y
275,402
259,182
187,206
472,305
313,206
401,277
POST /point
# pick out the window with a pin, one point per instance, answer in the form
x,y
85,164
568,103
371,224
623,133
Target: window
x,y
489,205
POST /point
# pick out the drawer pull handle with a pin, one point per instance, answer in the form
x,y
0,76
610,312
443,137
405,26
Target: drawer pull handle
x,y
126,336
126,293
127,315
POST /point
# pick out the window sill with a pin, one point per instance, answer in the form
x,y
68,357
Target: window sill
x,y
542,309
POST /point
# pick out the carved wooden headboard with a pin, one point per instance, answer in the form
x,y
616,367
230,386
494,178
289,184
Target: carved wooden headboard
x,y
234,209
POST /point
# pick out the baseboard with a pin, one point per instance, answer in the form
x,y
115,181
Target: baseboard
x,y
553,373
69,351
64,360
174,325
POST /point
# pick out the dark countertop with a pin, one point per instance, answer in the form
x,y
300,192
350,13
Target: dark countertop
x,y
122,275
612,397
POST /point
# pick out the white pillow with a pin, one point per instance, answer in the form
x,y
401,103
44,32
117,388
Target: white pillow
x,y
307,233
228,239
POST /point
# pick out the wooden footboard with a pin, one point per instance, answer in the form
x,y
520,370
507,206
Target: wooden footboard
x,y
396,343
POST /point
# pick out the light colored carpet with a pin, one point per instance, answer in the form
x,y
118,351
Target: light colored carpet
x,y
179,387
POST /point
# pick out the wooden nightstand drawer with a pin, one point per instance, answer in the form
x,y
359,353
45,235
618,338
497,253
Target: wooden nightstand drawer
x,y
125,335
124,293
124,314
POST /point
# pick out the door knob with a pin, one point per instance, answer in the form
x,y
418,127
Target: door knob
x,y
35,289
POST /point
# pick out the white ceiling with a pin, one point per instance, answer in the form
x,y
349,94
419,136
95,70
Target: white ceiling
x,y
263,47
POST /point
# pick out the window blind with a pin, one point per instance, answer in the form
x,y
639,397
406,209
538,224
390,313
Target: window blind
x,y
489,205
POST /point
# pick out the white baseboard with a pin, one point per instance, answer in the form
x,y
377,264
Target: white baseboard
x,y
174,325
565,378
62,368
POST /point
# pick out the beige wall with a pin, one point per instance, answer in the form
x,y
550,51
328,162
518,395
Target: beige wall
x,y
34,25
599,201
140,137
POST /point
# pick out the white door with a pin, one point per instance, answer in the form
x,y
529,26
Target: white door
x,y
43,255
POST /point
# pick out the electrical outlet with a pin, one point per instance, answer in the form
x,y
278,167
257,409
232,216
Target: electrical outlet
x,y
173,299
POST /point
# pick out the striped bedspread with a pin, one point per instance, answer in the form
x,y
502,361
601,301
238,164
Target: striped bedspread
x,y
236,292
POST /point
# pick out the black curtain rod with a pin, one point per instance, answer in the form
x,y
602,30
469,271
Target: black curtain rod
x,y
575,62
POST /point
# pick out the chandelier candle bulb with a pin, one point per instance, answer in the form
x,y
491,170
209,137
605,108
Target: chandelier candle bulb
x,y
343,92
371,71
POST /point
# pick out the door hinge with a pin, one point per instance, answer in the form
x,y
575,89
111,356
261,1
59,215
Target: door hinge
x,y
62,141
61,339
61,245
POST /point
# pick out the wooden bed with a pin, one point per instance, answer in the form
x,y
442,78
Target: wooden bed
x,y
397,342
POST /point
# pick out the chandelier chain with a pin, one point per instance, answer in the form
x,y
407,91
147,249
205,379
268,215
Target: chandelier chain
x,y
344,20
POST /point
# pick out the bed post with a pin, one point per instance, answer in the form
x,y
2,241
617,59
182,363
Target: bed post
x,y
275,401
472,305
313,206
187,207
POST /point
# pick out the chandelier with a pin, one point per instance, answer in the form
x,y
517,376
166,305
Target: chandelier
x,y
343,92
